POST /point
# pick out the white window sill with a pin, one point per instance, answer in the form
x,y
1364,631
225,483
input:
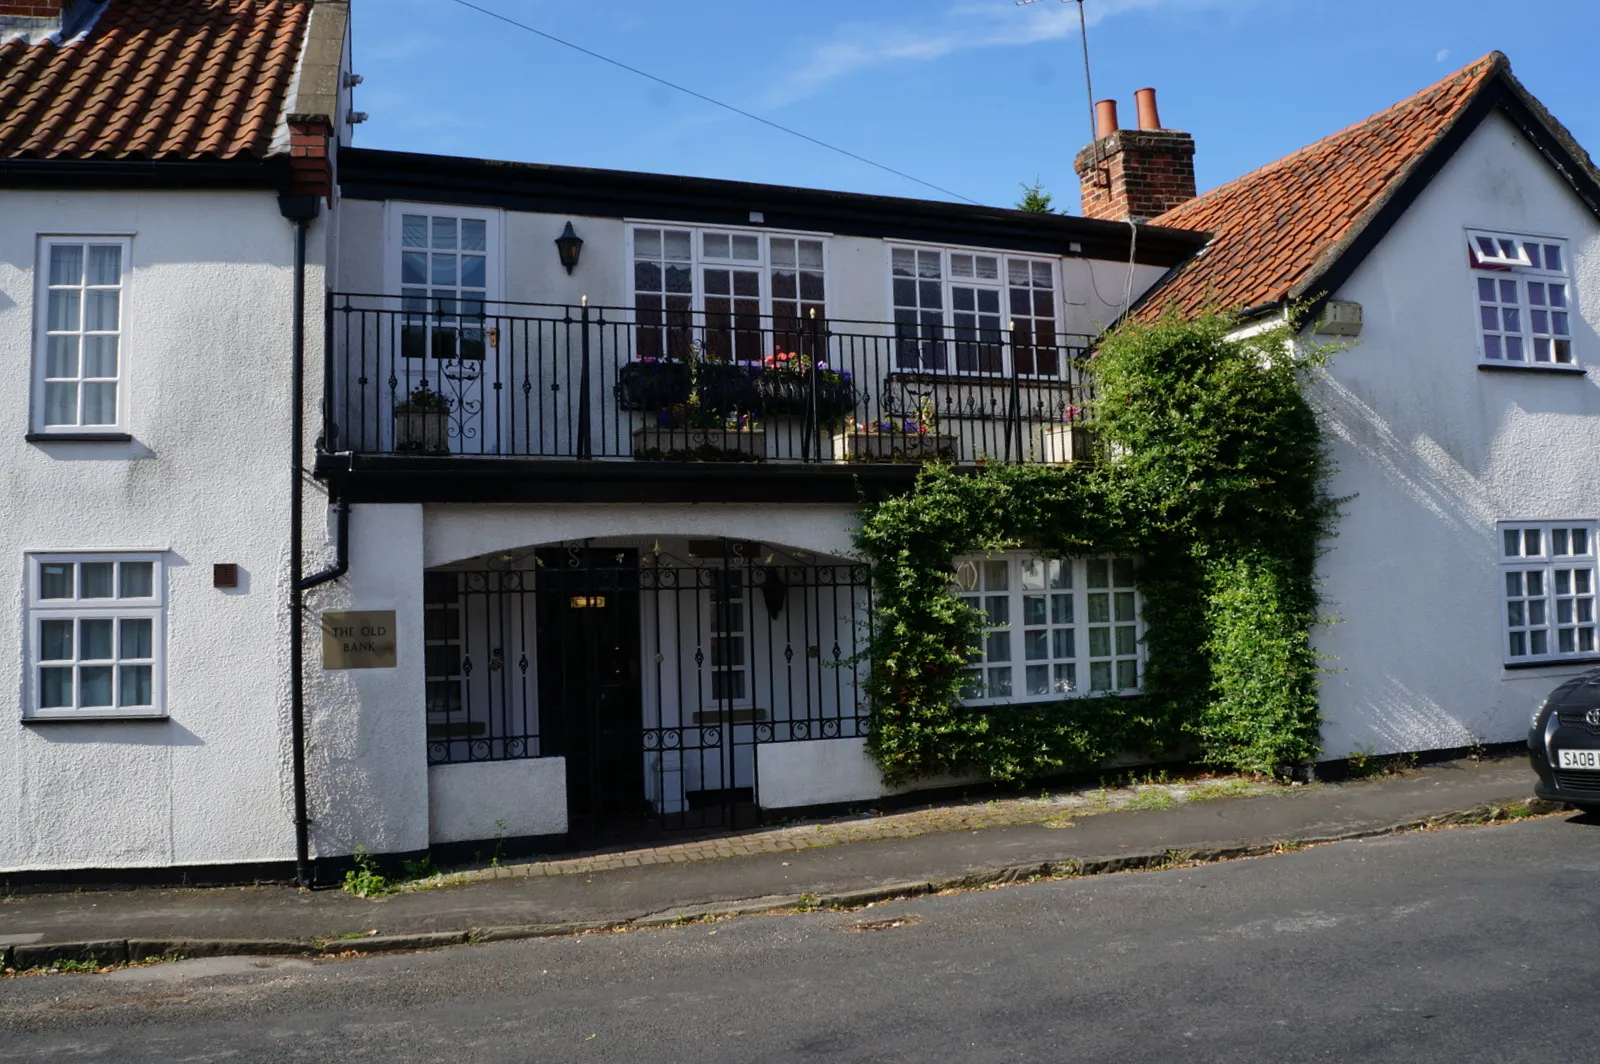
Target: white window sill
x,y
1552,665
82,716
1530,367
107,436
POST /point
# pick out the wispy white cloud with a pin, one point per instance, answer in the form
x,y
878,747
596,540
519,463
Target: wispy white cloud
x,y
962,26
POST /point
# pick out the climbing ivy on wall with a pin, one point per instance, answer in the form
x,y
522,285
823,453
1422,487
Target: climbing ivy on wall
x,y
1210,469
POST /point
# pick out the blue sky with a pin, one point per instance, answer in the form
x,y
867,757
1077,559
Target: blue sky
x,y
972,95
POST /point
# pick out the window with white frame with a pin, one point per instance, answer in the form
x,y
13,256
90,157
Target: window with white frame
x,y
729,637
445,273
958,310
741,287
1524,296
1547,572
80,369
95,635
1052,627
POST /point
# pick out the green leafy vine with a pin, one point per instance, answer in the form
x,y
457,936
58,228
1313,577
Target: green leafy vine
x,y
1209,467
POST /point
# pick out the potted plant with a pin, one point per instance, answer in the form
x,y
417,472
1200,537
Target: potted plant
x,y
789,380
896,438
422,422
1068,440
652,383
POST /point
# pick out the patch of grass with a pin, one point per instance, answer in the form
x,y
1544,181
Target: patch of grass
x,y
1229,788
422,868
80,967
1151,799
1173,859
1288,846
809,903
363,880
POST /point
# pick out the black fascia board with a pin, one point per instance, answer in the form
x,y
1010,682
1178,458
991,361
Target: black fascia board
x,y
115,174
372,174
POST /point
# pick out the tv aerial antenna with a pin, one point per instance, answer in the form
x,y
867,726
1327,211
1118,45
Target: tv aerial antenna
x,y
1088,85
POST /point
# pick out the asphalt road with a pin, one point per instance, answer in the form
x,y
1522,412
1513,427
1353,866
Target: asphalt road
x,y
1474,944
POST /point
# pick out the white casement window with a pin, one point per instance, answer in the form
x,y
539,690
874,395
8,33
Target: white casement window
x,y
1524,296
1547,572
742,296
96,634
970,312
729,638
446,265
80,367
1052,627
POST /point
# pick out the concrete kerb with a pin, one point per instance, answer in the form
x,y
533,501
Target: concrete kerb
x,y
110,952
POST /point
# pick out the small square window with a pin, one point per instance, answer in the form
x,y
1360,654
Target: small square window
x,y
1549,605
1522,319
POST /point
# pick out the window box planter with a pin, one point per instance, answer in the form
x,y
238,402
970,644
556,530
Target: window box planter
x,y
700,445
790,394
652,385
862,446
729,388
424,432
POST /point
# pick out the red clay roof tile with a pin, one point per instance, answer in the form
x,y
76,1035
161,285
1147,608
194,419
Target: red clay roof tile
x,y
155,79
1273,227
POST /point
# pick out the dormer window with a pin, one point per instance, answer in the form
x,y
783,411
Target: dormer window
x,y
1524,297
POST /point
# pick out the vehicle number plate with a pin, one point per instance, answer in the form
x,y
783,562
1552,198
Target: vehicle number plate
x,y
1589,759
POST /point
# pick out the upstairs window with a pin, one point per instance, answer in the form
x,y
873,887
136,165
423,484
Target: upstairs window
x,y
1052,627
1547,570
967,311
1524,296
446,272
741,296
80,367
95,636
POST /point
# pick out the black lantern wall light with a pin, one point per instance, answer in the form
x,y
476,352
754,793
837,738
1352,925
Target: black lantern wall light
x,y
568,245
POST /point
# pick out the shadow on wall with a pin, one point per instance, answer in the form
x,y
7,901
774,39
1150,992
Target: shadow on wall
x,y
1395,718
162,732
1422,469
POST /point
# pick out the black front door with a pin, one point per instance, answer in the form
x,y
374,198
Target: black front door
x,y
589,694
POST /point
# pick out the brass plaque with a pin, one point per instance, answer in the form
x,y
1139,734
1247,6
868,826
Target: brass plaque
x,y
358,639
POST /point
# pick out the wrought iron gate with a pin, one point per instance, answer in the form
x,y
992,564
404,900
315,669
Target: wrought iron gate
x,y
655,673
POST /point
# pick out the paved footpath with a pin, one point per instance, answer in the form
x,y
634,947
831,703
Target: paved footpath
x,y
830,863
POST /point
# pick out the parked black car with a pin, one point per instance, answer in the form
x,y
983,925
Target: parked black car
x,y
1564,743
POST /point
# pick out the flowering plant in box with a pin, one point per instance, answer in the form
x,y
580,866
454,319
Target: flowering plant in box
x,y
422,400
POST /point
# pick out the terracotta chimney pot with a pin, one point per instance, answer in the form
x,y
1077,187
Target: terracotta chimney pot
x,y
1105,119
1149,117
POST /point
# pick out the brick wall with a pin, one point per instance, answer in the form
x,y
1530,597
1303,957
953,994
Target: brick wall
x,y
1137,174
310,162
31,10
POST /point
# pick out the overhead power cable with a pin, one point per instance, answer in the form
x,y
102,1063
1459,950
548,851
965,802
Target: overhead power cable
x,y
714,102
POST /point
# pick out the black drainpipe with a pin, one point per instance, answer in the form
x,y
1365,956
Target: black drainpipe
x,y
302,210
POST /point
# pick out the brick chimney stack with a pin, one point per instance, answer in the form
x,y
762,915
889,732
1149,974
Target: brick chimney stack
x,y
34,20
1135,174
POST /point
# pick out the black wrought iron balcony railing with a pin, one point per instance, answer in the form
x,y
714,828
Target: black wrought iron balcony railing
x,y
527,380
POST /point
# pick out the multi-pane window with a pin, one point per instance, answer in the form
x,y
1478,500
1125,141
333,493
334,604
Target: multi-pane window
x,y
1524,296
729,637
444,282
978,304
1111,616
95,631
737,283
441,633
1052,627
80,369
1548,575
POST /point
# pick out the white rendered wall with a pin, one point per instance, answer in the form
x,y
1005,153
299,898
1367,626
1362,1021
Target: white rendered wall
x,y
1432,452
458,532
1093,292
820,772
206,479
497,799
366,752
